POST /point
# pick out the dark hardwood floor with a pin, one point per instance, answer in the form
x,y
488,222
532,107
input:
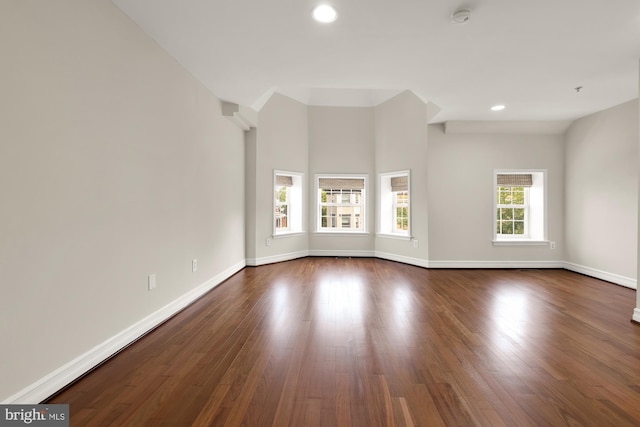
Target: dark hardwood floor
x,y
369,342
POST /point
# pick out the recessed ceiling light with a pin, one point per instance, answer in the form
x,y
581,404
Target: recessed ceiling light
x,y
325,14
498,108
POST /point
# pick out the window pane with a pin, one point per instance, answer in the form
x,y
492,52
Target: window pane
x,y
402,197
507,227
518,227
518,197
505,196
281,194
340,206
518,214
498,227
507,213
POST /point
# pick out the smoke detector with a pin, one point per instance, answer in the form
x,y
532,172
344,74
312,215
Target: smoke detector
x,y
461,16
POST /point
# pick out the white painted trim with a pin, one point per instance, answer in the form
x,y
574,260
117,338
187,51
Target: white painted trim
x,y
339,253
636,315
69,372
285,235
254,262
394,236
602,275
341,234
496,264
403,259
522,242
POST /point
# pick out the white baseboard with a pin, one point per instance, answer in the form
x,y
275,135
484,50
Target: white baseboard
x,y
636,315
61,377
343,253
495,264
602,275
254,262
403,259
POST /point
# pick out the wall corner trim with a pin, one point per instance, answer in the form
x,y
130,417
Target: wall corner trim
x,y
244,117
71,371
636,315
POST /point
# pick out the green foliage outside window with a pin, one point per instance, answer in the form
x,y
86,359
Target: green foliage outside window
x,y
510,217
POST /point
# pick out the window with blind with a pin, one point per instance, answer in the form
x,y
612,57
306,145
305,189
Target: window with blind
x,y
519,208
287,202
341,203
394,210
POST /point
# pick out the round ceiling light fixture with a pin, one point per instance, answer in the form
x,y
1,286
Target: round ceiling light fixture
x,y
325,14
461,16
498,107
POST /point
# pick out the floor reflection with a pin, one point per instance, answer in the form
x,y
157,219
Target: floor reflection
x,y
510,315
340,298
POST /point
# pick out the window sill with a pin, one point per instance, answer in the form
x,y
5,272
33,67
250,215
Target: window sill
x,y
290,234
394,236
520,242
341,233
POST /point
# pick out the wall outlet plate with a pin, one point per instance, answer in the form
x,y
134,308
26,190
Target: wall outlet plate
x,y
151,282
194,265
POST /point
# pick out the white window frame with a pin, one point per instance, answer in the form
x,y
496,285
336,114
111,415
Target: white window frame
x,y
388,203
535,213
295,205
363,206
525,206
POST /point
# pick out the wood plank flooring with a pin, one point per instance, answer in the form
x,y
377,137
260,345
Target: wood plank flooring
x,y
369,342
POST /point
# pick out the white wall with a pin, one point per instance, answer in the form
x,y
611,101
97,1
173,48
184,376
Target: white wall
x,y
601,203
460,186
341,140
401,144
114,163
281,144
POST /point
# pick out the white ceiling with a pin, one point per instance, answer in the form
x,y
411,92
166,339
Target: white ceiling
x,y
526,54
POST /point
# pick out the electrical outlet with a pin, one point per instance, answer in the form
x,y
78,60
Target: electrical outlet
x,y
152,282
194,265
416,244
552,245
268,242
